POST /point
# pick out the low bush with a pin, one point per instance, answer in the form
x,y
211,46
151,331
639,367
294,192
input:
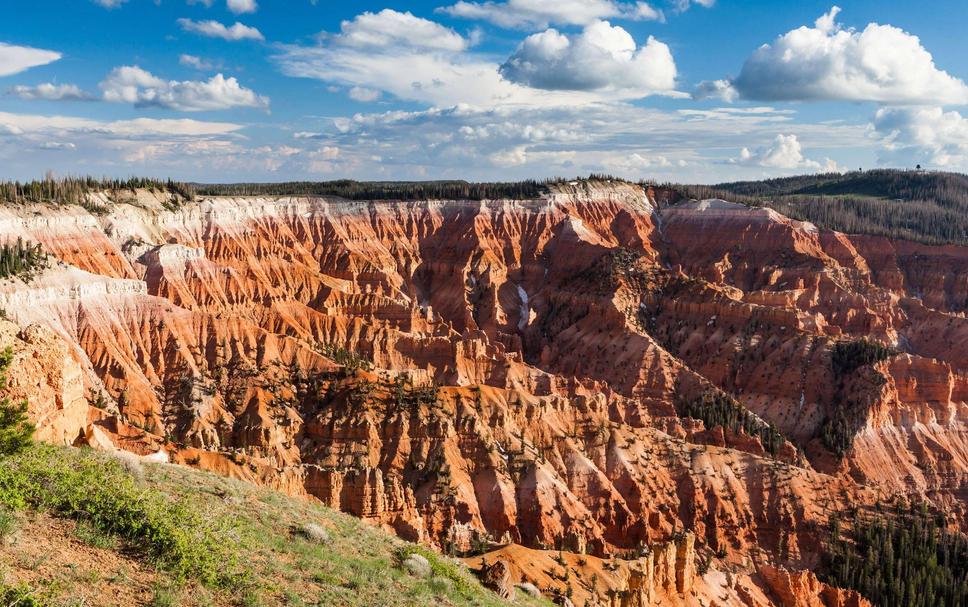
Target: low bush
x,y
18,596
16,430
440,567
97,489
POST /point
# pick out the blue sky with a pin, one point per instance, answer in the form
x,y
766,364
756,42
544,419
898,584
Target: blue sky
x,y
687,90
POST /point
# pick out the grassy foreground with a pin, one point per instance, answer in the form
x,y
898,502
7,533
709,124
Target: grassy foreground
x,y
79,527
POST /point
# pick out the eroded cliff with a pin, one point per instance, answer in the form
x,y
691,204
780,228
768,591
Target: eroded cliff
x,y
518,377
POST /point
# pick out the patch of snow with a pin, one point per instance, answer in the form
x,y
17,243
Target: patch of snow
x,y
525,308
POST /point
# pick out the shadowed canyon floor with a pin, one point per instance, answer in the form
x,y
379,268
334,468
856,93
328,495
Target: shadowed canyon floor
x,y
582,392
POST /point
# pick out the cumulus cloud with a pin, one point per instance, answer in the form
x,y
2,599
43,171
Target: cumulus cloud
x,y
716,89
242,6
15,59
214,29
602,56
131,84
420,60
51,92
540,14
784,153
881,63
928,136
437,71
109,4
390,28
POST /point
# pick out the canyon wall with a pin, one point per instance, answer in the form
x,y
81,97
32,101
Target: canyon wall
x,y
479,375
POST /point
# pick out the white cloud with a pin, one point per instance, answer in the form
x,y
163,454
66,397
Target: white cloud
x,y
131,84
57,145
418,60
242,6
195,62
682,6
928,136
214,29
784,153
434,77
390,28
716,89
138,127
539,14
51,92
882,63
323,160
519,142
15,59
109,4
365,95
646,12
600,57
497,143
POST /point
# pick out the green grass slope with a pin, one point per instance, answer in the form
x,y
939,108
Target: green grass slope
x,y
80,527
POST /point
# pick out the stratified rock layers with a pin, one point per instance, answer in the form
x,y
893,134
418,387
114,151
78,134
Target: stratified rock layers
x,y
506,372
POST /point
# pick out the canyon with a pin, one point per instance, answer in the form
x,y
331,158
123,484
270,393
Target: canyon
x,y
514,381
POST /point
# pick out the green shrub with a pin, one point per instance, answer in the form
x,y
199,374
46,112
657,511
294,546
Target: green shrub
x,y
8,523
85,485
15,429
19,596
440,567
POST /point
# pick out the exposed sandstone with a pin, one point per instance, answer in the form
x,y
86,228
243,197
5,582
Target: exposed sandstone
x,y
562,331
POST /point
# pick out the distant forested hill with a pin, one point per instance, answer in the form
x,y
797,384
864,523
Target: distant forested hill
x,y
381,190
930,207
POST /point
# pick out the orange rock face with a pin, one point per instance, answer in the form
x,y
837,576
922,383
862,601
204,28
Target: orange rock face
x,y
802,589
472,374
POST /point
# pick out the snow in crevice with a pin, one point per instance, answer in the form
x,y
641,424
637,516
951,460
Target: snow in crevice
x,y
525,308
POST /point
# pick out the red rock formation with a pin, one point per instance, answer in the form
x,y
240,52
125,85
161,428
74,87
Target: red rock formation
x,y
802,589
561,333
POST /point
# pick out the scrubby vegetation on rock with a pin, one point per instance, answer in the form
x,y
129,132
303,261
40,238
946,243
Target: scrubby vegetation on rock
x,y
848,356
716,408
848,414
15,429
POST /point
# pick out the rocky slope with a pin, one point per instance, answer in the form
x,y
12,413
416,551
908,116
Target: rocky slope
x,y
508,376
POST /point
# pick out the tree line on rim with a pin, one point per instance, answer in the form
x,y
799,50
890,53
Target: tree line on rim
x,y
928,207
